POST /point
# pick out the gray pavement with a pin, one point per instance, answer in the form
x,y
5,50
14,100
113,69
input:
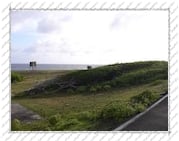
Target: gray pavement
x,y
155,119
23,114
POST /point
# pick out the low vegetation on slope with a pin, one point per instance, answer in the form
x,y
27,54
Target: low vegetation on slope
x,y
107,77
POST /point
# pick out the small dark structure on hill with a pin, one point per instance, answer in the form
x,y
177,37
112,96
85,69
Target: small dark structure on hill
x,y
33,64
89,67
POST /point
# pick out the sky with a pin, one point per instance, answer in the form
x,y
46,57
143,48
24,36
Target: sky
x,y
88,37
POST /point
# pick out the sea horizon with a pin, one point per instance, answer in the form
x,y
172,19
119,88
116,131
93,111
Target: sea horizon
x,y
23,66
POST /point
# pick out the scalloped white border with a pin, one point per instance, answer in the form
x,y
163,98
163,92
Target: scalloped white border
x,y
5,98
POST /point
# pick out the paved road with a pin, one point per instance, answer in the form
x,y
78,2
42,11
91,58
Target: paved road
x,y
155,119
23,114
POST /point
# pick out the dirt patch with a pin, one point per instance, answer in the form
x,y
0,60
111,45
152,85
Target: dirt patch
x,y
23,114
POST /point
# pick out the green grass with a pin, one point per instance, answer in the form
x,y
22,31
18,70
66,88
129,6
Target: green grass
x,y
110,77
16,77
73,105
82,109
32,78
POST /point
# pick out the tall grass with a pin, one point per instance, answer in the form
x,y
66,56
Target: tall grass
x,y
16,77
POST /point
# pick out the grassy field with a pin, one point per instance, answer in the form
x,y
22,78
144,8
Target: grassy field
x,y
102,104
32,78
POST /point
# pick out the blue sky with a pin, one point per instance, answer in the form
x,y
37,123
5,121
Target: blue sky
x,y
88,37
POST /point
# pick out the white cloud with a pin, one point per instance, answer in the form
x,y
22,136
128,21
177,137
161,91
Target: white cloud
x,y
95,37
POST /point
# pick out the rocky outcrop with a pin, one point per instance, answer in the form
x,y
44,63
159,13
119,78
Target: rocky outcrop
x,y
55,84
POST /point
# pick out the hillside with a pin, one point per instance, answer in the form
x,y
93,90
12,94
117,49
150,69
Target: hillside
x,y
97,99
105,78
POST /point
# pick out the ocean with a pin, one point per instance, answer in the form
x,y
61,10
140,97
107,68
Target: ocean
x,y
21,67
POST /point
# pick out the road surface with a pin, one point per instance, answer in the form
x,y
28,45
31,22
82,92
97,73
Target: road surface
x,y
155,119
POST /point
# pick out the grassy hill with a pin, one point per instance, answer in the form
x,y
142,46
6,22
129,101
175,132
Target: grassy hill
x,y
107,77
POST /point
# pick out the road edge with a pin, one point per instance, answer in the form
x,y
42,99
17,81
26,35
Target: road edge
x,y
122,126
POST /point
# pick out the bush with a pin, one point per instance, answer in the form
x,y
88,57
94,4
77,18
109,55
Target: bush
x,y
93,89
15,77
106,87
138,107
53,120
16,125
145,98
117,110
86,115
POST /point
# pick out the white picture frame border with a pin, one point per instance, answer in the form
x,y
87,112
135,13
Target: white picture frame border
x,y
5,72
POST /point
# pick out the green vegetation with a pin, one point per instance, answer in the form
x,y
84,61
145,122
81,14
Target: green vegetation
x,y
120,110
114,112
96,99
111,76
145,98
125,74
32,78
16,77
16,125
117,110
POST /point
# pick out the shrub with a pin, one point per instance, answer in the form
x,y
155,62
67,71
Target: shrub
x,y
93,89
117,110
86,115
16,125
145,98
138,107
15,77
106,87
54,119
